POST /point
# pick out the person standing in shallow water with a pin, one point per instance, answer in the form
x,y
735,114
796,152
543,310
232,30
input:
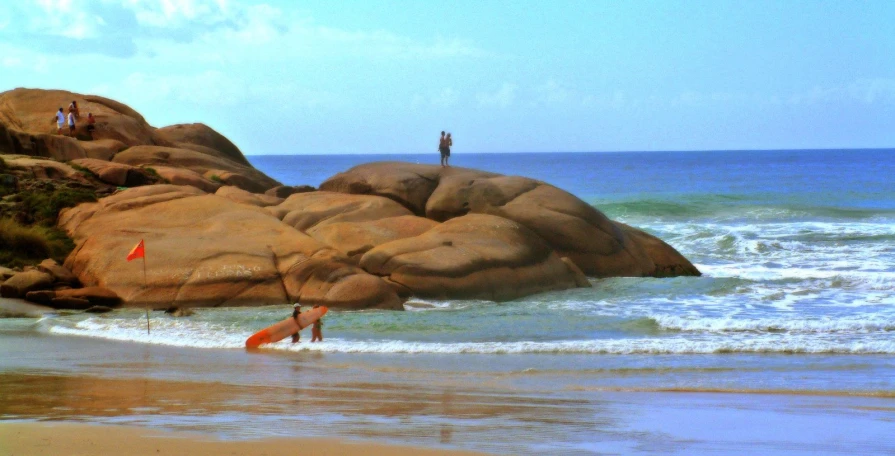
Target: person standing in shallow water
x,y
295,312
443,149
317,329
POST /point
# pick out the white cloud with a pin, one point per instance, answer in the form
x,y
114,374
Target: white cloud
x,y
552,92
11,62
865,91
503,97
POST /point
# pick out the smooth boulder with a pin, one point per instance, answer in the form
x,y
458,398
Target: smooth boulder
x,y
205,251
23,282
476,256
573,228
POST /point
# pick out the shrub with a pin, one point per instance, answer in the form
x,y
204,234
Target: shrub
x,y
44,207
217,178
22,245
85,171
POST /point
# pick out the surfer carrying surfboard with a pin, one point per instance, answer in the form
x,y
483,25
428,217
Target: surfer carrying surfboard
x,y
295,312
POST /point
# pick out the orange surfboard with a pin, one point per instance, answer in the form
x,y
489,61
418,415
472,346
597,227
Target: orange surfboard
x,y
285,328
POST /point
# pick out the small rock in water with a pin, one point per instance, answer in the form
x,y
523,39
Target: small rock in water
x,y
179,312
98,309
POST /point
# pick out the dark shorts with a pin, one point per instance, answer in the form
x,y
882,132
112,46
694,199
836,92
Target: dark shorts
x,y
71,128
91,127
445,151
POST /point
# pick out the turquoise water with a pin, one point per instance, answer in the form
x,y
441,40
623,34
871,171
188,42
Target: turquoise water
x,y
797,298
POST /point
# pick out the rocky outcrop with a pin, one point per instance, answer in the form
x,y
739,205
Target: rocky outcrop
x,y
28,127
202,138
239,195
116,173
475,256
209,251
181,176
213,168
220,233
568,225
42,168
60,274
283,191
23,282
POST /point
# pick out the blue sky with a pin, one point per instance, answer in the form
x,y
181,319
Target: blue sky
x,y
284,77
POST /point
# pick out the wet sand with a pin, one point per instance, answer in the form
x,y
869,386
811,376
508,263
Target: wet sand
x,y
21,439
395,403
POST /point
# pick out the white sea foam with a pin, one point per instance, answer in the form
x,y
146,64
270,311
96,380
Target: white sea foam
x,y
200,335
851,325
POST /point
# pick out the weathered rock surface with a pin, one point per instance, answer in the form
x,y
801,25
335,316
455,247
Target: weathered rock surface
x,y
305,211
115,173
283,191
241,196
60,273
181,176
23,282
6,273
474,256
27,124
228,172
102,149
98,296
202,138
356,238
570,226
42,168
205,250
219,232
28,127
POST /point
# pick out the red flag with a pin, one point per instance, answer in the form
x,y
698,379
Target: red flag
x,y
138,252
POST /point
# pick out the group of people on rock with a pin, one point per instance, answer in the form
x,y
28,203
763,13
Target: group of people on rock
x,y
74,114
316,329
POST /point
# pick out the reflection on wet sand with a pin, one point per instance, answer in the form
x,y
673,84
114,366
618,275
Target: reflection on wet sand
x,y
358,409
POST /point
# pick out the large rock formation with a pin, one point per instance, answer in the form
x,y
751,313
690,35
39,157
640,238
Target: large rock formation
x,y
122,135
208,250
573,228
370,237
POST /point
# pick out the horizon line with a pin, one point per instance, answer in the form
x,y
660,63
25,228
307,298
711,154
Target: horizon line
x,y
888,148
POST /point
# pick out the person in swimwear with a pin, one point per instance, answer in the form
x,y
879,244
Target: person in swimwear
x,y
317,329
295,312
444,149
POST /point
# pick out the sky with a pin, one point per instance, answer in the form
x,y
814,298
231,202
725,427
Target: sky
x,y
337,77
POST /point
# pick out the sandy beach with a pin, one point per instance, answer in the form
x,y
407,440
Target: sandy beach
x,y
19,439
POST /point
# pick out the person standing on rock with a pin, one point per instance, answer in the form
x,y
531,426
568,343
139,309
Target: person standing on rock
x,y
60,121
317,329
449,142
444,149
91,124
295,312
71,123
73,108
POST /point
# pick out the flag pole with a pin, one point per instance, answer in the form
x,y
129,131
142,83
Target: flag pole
x,y
145,285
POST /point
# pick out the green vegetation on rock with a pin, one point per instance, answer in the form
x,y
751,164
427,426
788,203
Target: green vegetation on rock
x,y
23,245
44,207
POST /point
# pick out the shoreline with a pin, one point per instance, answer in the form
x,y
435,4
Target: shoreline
x,y
25,438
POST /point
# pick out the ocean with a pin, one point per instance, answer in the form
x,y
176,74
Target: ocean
x,y
784,345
